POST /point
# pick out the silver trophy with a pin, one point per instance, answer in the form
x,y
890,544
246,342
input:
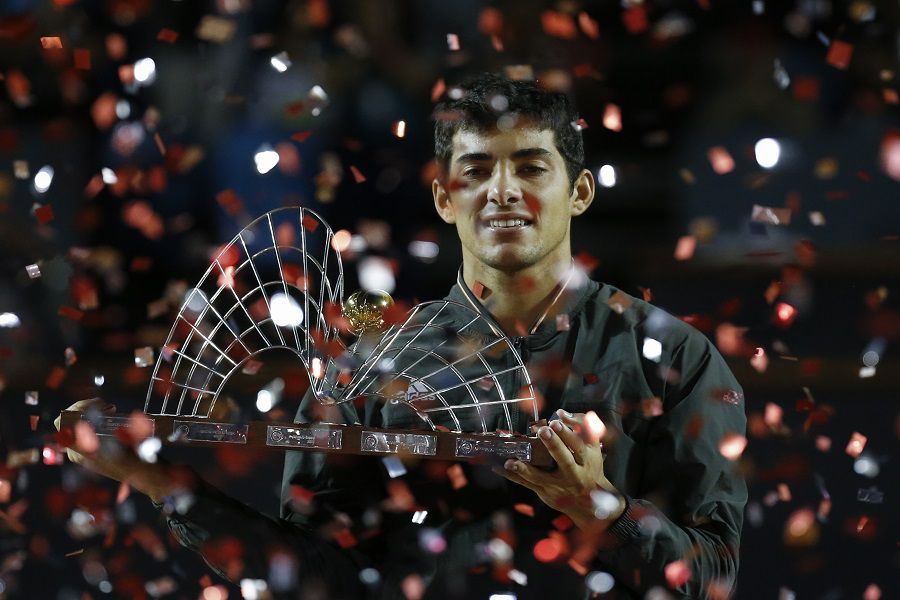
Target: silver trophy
x,y
441,381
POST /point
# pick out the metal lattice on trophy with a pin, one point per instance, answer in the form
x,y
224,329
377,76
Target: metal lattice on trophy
x,y
444,382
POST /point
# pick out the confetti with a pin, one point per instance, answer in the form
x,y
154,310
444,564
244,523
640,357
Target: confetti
x,y
612,117
215,29
480,290
358,177
677,573
780,74
558,24
167,35
732,445
452,42
619,302
684,249
525,509
549,550
143,357
870,495
856,444
839,54
760,360
770,216
720,160
44,214
635,19
588,25
81,57
594,428
51,42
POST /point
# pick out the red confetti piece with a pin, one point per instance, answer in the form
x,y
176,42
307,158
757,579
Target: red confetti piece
x,y
684,249
586,261
635,19
230,202
310,223
720,160
126,74
33,421
480,290
301,136
44,214
82,59
582,70
490,21
619,302
438,89
588,25
549,549
784,492
167,35
558,24
577,567
457,477
677,574
784,314
806,88
646,293
497,43
159,143
525,509
70,313
591,378
856,444
5,491
51,42
357,174
652,407
563,523
839,54
823,443
562,322
872,592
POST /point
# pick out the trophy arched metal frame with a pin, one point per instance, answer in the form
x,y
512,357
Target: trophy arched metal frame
x,y
442,371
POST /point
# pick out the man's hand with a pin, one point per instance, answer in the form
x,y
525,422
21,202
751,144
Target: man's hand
x,y
116,461
574,443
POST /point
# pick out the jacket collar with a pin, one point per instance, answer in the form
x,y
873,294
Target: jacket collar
x,y
571,295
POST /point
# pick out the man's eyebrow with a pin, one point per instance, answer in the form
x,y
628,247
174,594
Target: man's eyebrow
x,y
523,153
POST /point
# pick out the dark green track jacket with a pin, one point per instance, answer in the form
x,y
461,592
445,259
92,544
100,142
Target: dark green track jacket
x,y
669,403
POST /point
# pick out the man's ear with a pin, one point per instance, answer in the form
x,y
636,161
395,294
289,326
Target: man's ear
x,y
582,192
442,202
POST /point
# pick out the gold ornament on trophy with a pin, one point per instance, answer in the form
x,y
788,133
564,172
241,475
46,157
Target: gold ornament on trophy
x,y
365,310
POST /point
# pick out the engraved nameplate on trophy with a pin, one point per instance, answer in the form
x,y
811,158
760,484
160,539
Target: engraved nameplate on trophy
x,y
421,444
468,447
293,437
192,431
109,425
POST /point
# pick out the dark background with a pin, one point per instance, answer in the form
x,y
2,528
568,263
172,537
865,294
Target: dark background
x,y
687,76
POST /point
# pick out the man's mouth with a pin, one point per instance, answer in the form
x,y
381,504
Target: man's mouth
x,y
508,223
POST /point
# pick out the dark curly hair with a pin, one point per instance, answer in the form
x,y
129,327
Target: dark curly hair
x,y
485,98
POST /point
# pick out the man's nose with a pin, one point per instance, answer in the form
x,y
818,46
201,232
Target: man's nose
x,y
503,188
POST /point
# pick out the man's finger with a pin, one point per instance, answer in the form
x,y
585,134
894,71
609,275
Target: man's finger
x,y
558,450
571,439
588,426
515,478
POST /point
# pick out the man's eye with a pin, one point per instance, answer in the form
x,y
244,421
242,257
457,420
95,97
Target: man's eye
x,y
533,170
474,172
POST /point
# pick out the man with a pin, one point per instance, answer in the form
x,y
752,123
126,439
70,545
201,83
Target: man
x,y
641,498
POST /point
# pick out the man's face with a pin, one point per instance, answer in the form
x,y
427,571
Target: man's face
x,y
509,196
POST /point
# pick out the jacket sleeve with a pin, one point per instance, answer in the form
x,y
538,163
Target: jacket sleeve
x,y
687,522
239,542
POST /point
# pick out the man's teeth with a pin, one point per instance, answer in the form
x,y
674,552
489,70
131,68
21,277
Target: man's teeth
x,y
508,223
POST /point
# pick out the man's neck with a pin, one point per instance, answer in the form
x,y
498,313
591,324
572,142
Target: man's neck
x,y
517,299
